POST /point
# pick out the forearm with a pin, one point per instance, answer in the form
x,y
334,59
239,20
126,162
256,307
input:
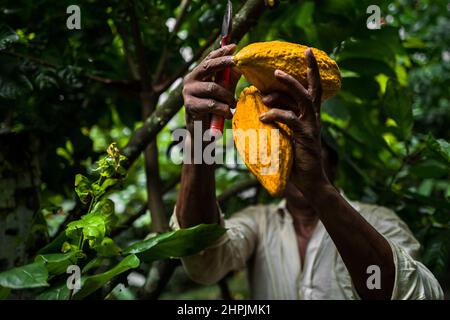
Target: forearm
x,y
196,202
358,243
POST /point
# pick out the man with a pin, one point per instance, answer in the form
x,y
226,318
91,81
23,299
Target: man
x,y
315,244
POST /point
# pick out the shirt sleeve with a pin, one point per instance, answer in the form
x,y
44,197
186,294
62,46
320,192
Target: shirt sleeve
x,y
228,253
412,279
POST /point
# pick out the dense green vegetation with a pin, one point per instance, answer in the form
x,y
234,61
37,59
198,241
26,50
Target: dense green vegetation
x,y
67,95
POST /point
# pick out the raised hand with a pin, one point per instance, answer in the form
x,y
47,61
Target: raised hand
x,y
299,108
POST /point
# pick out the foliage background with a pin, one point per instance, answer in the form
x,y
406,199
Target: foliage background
x,y
65,95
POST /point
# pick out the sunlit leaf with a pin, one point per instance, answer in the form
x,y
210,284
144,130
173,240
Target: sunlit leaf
x,y
32,275
57,263
83,188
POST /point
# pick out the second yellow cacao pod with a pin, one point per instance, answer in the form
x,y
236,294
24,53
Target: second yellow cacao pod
x,y
266,149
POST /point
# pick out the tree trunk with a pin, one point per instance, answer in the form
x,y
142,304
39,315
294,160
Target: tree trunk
x,y
19,197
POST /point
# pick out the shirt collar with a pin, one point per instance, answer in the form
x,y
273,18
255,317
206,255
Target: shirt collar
x,y
284,212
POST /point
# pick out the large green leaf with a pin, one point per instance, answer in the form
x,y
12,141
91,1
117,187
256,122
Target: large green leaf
x,y
179,243
32,275
57,263
93,283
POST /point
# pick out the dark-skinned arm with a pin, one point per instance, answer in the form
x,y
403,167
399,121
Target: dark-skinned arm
x,y
357,242
196,202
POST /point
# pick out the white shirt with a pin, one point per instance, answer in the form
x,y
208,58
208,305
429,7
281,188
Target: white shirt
x,y
262,238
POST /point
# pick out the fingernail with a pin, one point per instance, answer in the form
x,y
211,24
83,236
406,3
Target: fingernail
x,y
262,117
279,73
230,59
310,57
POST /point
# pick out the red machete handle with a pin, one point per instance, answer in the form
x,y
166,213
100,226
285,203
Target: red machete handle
x,y
223,79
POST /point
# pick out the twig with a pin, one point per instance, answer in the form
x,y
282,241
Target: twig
x,y
179,20
163,60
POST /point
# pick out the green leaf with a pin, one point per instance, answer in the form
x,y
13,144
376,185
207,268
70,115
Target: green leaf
x,y
32,275
430,168
437,253
7,37
92,226
108,248
105,208
111,165
397,105
179,243
57,263
56,292
93,283
439,147
106,185
94,263
83,188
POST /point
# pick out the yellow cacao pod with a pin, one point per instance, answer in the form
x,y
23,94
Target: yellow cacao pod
x,y
266,149
259,60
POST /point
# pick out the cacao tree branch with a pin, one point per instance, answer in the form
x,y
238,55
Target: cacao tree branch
x,y
162,273
149,99
245,18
